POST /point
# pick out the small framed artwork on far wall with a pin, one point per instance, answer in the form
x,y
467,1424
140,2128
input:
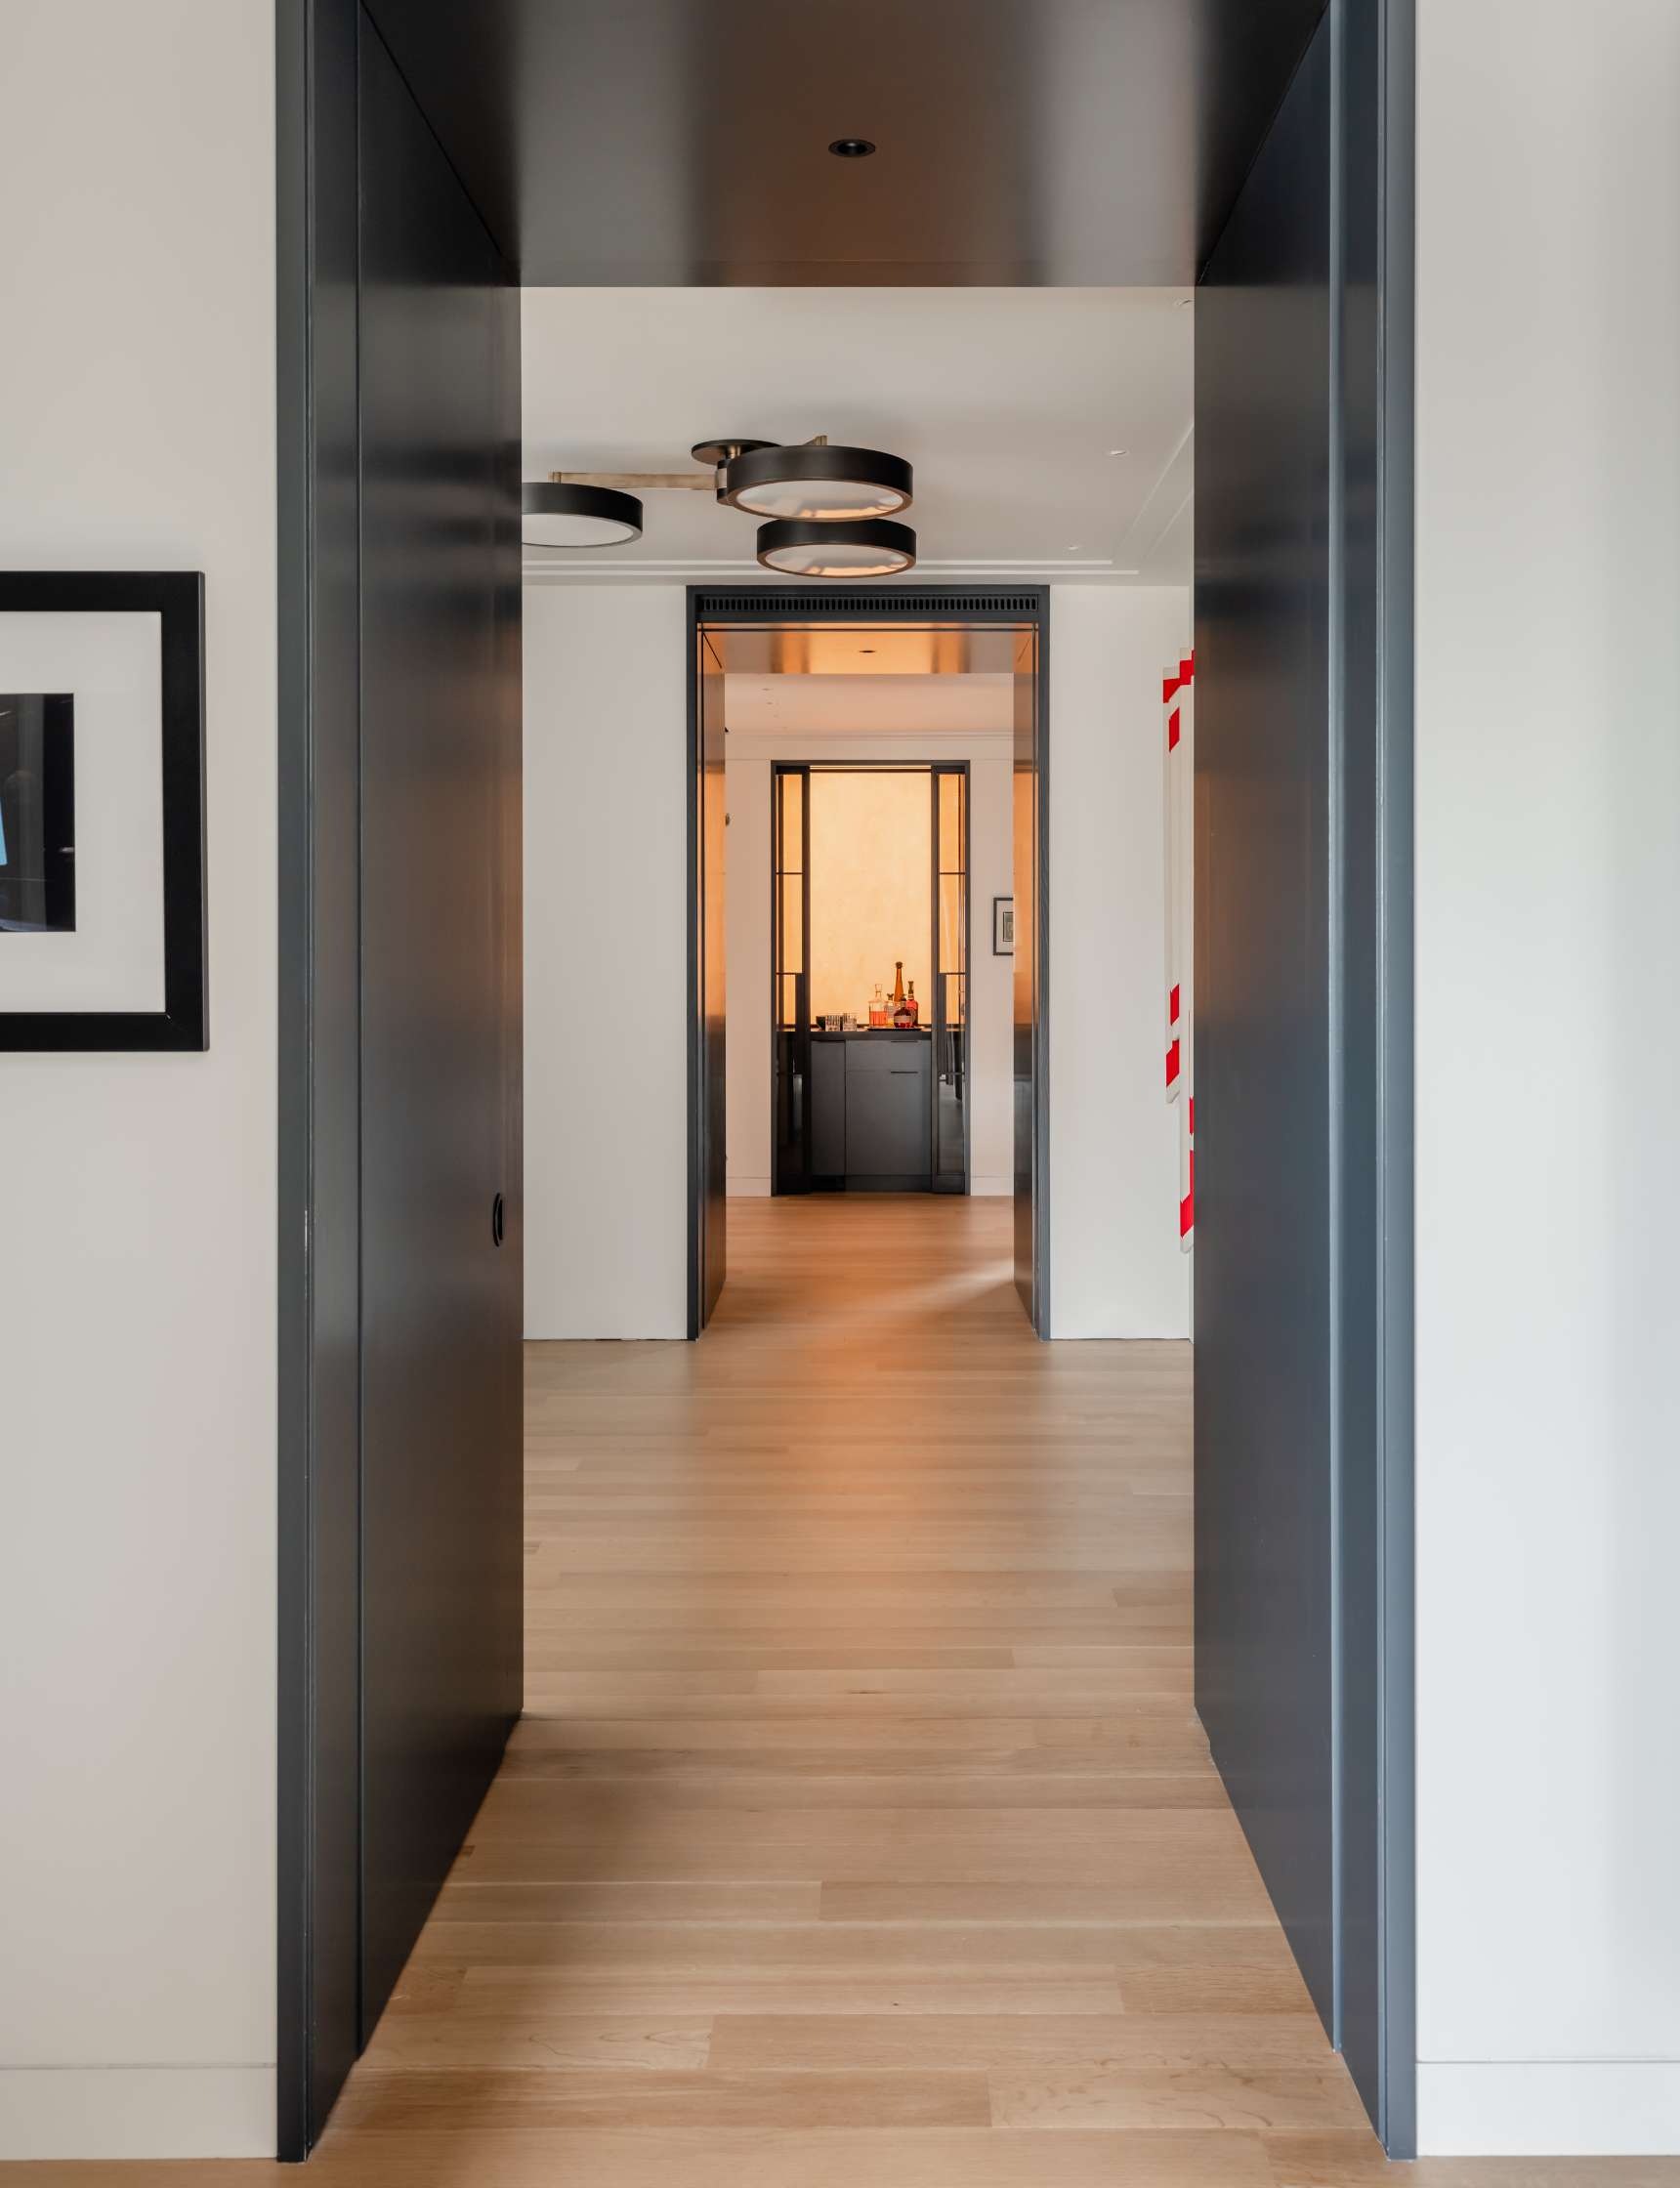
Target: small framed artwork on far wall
x,y
1003,926
102,810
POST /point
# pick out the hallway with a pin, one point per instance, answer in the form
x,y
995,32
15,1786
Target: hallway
x,y
860,1828
860,1833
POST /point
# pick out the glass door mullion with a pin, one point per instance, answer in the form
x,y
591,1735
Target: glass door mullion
x,y
790,978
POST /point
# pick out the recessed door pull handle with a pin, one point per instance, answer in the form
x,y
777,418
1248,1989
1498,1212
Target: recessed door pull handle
x,y
498,1221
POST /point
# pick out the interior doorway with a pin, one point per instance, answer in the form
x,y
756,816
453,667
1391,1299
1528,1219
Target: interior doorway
x,y
907,1123
1299,258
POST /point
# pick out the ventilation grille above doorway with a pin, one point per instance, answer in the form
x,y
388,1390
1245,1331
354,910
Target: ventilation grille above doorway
x,y
846,605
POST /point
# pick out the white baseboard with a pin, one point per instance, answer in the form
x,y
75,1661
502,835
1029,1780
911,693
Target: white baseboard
x,y
747,1189
1563,2108
991,1188
136,2112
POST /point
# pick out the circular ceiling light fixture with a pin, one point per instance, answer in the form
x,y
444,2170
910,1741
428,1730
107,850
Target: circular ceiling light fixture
x,y
814,482
851,147
872,548
569,516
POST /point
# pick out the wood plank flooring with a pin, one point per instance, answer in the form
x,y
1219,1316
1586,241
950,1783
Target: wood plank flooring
x,y
860,1833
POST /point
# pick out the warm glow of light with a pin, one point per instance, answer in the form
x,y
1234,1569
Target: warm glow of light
x,y
872,884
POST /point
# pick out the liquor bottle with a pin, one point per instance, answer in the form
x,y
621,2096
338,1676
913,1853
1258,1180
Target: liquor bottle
x,y
903,1010
915,1008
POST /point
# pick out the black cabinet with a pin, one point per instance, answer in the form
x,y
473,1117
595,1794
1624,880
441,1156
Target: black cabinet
x,y
827,1108
872,1110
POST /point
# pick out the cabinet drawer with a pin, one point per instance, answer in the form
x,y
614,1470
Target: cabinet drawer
x,y
888,1052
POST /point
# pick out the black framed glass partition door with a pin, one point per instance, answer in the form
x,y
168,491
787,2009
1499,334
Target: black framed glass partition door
x,y
950,946
790,978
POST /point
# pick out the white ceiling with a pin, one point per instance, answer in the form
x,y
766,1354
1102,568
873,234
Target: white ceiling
x,y
869,706
1006,401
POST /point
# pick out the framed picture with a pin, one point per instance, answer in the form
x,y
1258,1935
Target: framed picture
x,y
1003,926
102,810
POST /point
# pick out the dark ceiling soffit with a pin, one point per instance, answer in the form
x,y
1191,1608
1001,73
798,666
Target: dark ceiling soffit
x,y
684,142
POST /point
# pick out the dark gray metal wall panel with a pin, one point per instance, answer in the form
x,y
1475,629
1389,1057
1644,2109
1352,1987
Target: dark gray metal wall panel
x,y
1395,133
1304,1368
318,2018
1263,1274
440,1538
1355,151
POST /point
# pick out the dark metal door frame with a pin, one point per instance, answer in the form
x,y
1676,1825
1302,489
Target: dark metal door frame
x,y
318,1060
978,607
319,551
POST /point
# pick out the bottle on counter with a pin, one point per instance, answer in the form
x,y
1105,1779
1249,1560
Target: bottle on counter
x,y
903,1008
879,1007
915,1007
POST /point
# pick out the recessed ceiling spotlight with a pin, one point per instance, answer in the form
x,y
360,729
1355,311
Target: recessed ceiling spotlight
x,y
874,548
813,482
572,516
1183,299
1117,452
851,147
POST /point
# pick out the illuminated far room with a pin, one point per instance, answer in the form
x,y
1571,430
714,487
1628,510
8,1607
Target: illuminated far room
x,y
870,782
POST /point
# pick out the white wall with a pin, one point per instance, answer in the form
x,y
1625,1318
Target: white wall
x,y
1548,1165
606,953
606,927
137,1557
1115,1265
991,852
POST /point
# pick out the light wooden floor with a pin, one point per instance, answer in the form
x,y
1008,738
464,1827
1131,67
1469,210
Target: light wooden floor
x,y
860,1833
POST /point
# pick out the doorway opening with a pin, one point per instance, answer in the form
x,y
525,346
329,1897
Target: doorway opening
x,y
811,725
993,1537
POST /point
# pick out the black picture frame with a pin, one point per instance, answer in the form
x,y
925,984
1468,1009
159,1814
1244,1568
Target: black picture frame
x,y
1002,911
177,598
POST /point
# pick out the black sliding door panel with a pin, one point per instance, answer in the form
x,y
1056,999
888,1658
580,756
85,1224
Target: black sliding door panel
x,y
1032,1024
1263,1267
441,1501
317,2019
708,822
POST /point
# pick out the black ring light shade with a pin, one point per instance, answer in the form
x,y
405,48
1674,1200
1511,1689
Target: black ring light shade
x,y
814,482
871,548
578,515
